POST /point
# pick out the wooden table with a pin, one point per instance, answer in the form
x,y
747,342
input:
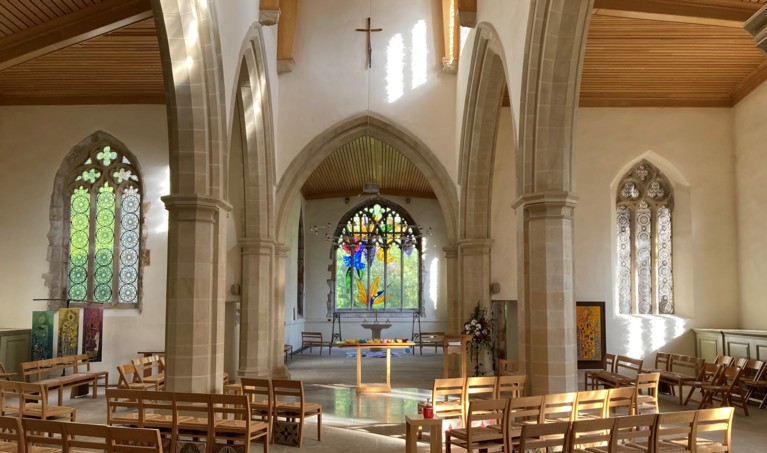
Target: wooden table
x,y
375,387
413,423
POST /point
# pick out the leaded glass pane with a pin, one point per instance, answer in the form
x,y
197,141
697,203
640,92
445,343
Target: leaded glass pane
x,y
643,258
624,259
80,214
129,245
370,263
665,277
104,244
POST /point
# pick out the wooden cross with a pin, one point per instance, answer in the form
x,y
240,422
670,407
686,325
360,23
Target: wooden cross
x,y
370,48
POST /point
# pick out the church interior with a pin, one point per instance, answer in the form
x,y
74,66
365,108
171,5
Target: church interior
x,y
218,178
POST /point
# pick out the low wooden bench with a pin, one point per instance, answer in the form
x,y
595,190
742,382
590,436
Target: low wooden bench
x,y
313,339
625,374
427,339
682,370
59,373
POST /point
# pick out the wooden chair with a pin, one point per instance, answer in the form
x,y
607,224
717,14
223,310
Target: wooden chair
x,y
447,398
585,436
728,384
435,339
558,407
662,362
646,397
752,372
631,432
151,369
289,403
621,401
507,367
86,438
591,377
35,404
544,435
11,435
259,393
682,370
130,378
590,404
10,398
43,436
511,386
4,374
626,371
159,413
477,435
522,411
232,422
191,412
313,339
124,407
716,423
133,440
479,388
674,432
709,374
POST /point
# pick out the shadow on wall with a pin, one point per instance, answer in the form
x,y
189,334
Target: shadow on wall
x,y
640,336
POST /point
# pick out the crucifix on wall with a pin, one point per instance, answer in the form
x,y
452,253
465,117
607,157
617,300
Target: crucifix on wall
x,y
370,47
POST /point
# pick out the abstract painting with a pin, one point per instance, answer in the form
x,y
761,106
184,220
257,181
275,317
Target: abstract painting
x,y
69,327
590,324
93,325
42,335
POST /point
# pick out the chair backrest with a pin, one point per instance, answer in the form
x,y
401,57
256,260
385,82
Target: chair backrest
x,y
80,436
511,386
11,431
487,412
128,375
34,393
627,366
716,422
544,435
196,405
526,409
558,406
119,399
286,390
157,402
10,397
731,377
590,404
675,425
685,364
595,432
43,433
133,440
608,363
636,429
506,366
740,362
446,389
647,392
230,407
662,361
257,389
725,360
620,401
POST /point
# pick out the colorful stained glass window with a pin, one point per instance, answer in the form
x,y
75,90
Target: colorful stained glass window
x,y
644,275
378,260
105,229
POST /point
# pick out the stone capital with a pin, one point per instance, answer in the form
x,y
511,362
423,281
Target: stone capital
x,y
269,17
281,250
194,208
475,246
250,246
285,65
549,205
449,66
451,251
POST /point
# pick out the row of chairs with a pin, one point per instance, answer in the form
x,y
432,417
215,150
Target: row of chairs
x,y
654,433
29,435
188,417
450,396
730,381
272,400
145,373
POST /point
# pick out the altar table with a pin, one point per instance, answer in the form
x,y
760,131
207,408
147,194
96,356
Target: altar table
x,y
375,387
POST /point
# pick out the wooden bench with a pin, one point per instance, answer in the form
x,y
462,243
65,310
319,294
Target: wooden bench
x,y
436,339
682,370
188,416
625,374
52,373
151,370
30,400
312,339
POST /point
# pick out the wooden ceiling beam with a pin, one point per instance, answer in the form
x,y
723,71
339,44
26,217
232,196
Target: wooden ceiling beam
x,y
706,12
269,12
451,31
467,13
82,25
286,32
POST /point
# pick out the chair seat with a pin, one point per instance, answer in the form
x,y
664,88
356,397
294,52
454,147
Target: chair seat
x,y
36,410
295,407
478,435
36,449
8,446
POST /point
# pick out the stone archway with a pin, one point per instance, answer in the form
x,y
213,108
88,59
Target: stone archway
x,y
194,89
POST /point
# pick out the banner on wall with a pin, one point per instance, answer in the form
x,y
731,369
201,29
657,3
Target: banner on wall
x,y
42,335
93,330
69,329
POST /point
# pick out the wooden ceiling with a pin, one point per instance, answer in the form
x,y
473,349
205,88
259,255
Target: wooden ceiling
x,y
671,53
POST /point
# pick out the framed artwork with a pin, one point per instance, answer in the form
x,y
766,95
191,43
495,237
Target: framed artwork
x,y
592,340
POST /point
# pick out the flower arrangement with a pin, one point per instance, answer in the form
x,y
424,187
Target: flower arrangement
x,y
480,327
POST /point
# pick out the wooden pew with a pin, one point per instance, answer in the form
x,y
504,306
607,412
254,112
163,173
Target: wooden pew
x,y
59,373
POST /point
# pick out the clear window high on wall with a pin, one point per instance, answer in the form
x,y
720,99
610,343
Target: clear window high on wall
x,y
103,204
377,260
644,207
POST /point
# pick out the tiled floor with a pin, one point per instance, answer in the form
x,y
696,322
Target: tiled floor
x,y
373,423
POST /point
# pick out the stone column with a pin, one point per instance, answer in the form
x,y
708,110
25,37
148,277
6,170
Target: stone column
x,y
453,284
279,370
194,340
474,265
547,308
255,311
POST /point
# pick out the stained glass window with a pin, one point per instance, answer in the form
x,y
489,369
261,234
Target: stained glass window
x,y
643,223
378,260
105,229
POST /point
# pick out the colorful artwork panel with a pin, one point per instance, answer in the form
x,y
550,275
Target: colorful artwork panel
x,y
69,329
590,324
93,331
42,335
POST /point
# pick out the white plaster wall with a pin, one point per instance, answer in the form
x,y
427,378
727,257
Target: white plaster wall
x,y
503,258
33,142
694,148
425,212
751,169
294,327
330,80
